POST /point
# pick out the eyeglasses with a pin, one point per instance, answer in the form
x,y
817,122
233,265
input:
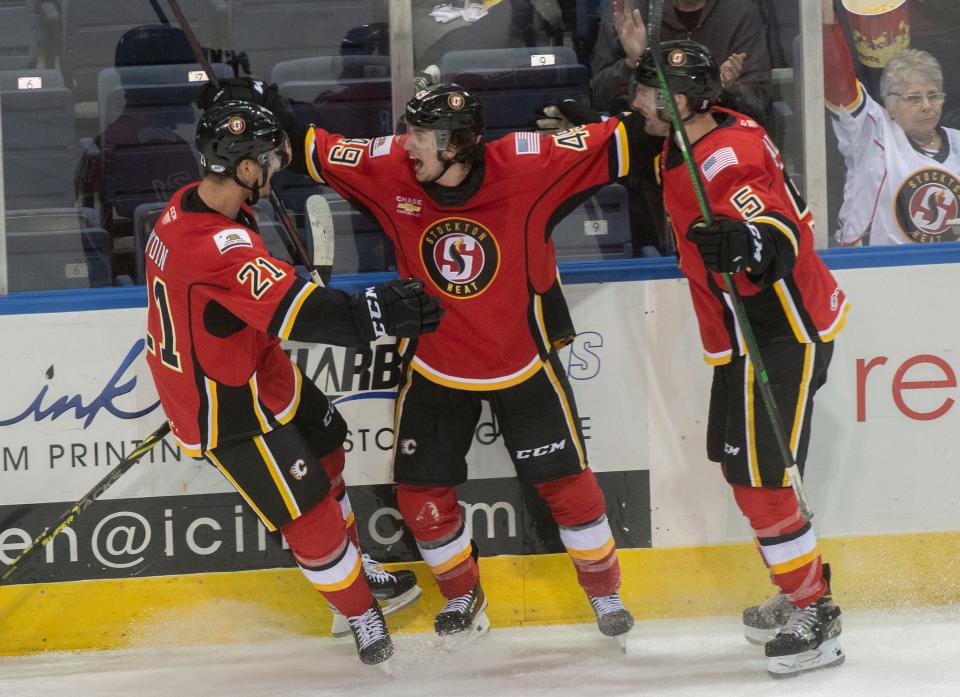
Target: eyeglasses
x,y
935,98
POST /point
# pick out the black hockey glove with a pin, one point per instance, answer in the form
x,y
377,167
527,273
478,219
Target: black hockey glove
x,y
398,308
250,90
730,246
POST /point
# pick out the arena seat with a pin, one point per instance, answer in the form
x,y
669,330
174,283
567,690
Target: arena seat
x,y
598,228
19,39
54,248
92,30
40,150
514,84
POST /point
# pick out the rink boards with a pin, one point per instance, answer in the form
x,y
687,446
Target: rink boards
x,y
170,556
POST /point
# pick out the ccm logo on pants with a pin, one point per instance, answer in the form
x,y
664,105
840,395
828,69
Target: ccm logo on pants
x,y
542,450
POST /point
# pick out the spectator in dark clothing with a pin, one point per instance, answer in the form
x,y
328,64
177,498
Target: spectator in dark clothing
x,y
733,29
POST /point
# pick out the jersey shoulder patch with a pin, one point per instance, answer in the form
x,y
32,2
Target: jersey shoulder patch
x,y
231,238
527,143
381,146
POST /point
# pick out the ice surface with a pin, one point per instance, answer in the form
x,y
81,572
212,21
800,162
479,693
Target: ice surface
x,y
889,654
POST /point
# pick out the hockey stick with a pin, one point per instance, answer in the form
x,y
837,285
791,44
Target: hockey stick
x,y
292,241
746,330
66,520
321,230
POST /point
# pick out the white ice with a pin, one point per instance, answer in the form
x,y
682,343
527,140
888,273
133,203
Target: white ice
x,y
889,654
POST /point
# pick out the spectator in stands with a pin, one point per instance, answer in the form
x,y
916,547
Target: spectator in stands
x,y
731,28
903,166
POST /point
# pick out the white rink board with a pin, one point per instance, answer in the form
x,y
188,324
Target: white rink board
x,y
640,381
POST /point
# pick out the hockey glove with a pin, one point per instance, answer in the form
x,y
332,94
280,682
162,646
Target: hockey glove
x,y
566,114
398,308
731,246
250,90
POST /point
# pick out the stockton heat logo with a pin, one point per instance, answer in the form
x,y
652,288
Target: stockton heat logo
x,y
925,204
461,256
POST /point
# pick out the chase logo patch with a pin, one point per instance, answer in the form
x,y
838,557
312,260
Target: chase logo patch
x,y
926,203
231,238
460,255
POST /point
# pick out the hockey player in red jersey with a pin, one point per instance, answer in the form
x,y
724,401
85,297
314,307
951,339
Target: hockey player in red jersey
x,y
472,220
763,236
219,304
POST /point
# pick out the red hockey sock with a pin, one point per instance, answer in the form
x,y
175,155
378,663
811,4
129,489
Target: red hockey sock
x,y
329,560
433,516
786,541
333,465
578,506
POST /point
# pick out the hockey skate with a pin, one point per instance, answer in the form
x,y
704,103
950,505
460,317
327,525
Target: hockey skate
x,y
762,622
612,617
809,640
463,619
393,590
371,636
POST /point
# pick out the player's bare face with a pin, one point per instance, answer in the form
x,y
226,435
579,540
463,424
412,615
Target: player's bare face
x,y
916,108
645,102
421,147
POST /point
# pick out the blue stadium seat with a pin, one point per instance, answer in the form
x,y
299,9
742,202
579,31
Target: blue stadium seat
x,y
19,38
92,30
349,95
514,84
599,228
271,32
40,150
55,248
148,122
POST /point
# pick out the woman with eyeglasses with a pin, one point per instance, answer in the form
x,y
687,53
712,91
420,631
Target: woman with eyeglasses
x,y
903,167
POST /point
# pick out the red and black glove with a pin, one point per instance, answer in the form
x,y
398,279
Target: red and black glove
x,y
731,246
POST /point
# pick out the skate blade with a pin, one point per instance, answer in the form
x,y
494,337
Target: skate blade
x,y
630,643
828,655
389,605
387,668
472,634
758,636
340,627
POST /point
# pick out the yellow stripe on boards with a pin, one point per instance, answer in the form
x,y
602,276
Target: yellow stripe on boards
x,y
247,606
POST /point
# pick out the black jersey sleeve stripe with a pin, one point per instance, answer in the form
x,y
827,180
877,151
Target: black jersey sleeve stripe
x,y
326,317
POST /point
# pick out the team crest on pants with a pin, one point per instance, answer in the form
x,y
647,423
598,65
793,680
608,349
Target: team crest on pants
x,y
461,256
926,203
298,470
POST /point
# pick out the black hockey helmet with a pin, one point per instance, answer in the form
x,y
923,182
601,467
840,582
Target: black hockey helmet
x,y
456,116
689,68
232,131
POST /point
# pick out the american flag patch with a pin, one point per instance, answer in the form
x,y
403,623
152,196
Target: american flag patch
x,y
527,143
722,158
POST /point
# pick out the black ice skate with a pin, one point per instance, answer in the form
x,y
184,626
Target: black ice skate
x,y
463,619
392,589
762,622
809,640
371,636
612,617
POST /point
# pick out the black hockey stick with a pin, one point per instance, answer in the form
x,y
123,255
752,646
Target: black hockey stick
x,y
66,520
292,241
753,350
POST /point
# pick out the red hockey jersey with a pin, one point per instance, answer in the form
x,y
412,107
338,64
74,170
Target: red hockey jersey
x,y
217,303
490,259
741,171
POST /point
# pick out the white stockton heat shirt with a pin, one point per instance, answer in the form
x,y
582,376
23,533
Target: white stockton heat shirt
x,y
894,193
